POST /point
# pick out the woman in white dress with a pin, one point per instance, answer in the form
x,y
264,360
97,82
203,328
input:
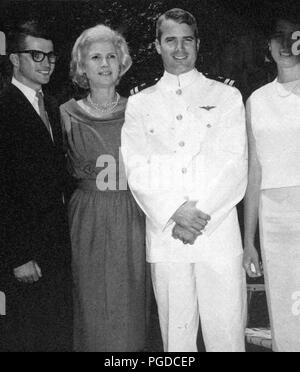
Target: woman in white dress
x,y
273,194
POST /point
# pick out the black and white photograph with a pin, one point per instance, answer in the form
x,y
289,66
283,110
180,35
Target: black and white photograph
x,y
149,178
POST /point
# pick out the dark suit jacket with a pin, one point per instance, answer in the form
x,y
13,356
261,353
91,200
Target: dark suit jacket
x,y
33,178
33,224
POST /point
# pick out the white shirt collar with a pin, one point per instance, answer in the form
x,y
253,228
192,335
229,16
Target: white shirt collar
x,y
29,93
287,89
171,81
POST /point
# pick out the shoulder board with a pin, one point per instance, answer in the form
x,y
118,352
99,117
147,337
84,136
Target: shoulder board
x,y
221,79
143,86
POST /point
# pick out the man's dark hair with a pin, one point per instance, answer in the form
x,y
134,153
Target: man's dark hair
x,y
16,38
179,16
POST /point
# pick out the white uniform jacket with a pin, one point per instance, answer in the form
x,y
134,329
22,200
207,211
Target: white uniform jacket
x,y
185,139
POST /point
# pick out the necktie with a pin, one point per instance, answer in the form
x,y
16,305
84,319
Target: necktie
x,y
43,112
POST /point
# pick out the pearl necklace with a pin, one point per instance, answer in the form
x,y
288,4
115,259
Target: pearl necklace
x,y
107,106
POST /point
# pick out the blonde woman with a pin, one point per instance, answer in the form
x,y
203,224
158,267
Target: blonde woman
x,y
107,227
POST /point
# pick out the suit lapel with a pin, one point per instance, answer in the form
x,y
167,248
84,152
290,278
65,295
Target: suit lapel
x,y
32,117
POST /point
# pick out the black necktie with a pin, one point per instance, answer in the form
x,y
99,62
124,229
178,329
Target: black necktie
x,y
43,112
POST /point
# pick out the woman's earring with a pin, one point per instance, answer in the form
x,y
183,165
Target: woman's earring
x,y
85,79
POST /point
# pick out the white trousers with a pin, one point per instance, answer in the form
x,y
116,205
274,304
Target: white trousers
x,y
214,290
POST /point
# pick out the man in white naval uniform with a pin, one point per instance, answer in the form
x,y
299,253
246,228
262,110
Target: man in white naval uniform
x,y
184,148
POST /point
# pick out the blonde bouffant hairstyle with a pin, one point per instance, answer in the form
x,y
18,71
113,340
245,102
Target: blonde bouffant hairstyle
x,y
89,36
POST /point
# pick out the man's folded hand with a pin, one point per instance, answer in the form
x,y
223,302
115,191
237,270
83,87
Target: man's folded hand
x,y
184,235
191,218
28,273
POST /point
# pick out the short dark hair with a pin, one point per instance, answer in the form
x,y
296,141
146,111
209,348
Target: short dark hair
x,y
177,15
271,30
290,15
16,38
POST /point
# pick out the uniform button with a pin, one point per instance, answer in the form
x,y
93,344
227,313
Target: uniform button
x,y
184,170
179,117
179,92
181,143
208,125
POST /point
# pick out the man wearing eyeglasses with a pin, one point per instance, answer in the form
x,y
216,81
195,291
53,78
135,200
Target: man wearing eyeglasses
x,y
34,238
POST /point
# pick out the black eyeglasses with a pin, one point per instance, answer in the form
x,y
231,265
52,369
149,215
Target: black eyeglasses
x,y
39,56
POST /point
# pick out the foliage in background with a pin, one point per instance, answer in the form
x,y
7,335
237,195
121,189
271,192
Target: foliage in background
x,y
226,35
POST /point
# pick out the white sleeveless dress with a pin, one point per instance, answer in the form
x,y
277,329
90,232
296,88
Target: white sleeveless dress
x,y
275,117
